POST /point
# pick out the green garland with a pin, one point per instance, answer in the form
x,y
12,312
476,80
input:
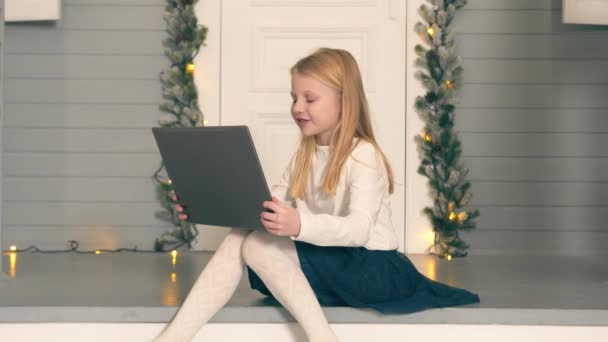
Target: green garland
x,y
438,146
184,39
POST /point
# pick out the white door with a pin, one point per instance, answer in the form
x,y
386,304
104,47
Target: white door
x,y
261,39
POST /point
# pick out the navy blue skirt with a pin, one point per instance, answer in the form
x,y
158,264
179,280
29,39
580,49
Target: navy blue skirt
x,y
386,281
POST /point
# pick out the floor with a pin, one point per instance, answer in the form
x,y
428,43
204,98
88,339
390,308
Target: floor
x,y
144,287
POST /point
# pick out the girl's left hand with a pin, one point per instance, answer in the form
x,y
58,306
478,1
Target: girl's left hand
x,y
285,221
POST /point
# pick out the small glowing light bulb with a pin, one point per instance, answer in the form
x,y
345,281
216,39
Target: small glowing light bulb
x,y
174,253
462,216
452,216
173,277
448,84
430,31
13,248
97,252
169,181
449,257
190,68
205,122
428,137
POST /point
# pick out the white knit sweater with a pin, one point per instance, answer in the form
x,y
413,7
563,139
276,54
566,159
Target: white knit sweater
x,y
360,212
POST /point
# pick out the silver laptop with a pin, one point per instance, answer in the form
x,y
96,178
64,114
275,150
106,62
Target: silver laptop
x,y
216,174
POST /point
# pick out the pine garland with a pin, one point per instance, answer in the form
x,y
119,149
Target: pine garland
x,y
439,146
184,39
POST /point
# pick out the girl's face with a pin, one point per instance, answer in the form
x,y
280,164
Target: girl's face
x,y
315,107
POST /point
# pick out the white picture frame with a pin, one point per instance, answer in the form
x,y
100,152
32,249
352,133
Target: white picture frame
x,y
32,10
592,12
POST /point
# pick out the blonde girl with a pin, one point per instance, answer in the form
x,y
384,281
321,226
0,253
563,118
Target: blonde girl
x,y
329,239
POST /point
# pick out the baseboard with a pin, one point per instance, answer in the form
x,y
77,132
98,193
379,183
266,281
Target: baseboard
x,y
92,332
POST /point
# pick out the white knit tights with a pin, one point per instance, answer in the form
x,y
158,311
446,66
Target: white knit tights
x,y
275,260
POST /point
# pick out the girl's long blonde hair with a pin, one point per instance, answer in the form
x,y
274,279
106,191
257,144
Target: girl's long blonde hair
x,y
337,69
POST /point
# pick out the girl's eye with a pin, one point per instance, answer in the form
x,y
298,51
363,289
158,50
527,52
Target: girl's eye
x,y
307,100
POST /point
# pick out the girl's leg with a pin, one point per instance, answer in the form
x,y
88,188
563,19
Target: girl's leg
x,y
213,288
265,254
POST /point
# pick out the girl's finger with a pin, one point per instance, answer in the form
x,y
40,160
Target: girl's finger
x,y
263,223
268,224
270,230
270,216
272,206
274,231
272,225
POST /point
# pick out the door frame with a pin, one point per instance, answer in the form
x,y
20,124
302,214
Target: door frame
x,y
208,83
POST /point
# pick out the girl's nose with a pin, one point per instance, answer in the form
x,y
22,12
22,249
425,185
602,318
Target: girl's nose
x,y
297,107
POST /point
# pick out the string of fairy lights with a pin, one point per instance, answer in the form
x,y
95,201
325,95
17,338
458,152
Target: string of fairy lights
x,y
429,138
13,250
74,249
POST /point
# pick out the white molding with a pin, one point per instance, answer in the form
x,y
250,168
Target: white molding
x,y
32,10
261,84
585,12
2,274
207,79
312,3
418,228
257,332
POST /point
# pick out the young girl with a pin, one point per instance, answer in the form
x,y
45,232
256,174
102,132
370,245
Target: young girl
x,y
330,239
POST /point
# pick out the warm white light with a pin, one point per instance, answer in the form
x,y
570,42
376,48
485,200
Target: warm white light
x,y
429,237
174,257
190,67
12,264
13,248
452,216
431,268
97,252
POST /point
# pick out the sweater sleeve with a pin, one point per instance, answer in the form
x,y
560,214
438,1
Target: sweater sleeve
x,y
367,184
281,189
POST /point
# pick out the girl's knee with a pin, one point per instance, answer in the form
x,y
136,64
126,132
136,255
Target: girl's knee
x,y
253,245
239,232
236,235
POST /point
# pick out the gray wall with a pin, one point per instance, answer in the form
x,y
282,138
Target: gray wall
x,y
533,121
1,109
81,96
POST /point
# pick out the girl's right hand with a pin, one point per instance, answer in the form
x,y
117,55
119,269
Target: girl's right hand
x,y
180,209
